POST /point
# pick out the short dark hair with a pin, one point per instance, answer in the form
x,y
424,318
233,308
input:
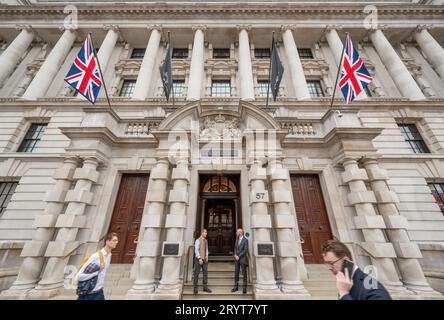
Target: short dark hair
x,y
337,247
110,236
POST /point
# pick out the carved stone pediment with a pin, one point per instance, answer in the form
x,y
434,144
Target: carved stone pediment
x,y
220,127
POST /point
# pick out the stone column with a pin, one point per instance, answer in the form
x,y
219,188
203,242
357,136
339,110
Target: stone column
x,y
407,252
14,52
175,224
108,45
246,84
294,62
431,48
147,70
284,223
394,65
148,249
196,79
68,225
261,225
34,250
51,66
372,226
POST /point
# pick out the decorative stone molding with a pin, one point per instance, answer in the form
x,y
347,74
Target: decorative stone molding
x,y
201,27
241,27
157,27
220,127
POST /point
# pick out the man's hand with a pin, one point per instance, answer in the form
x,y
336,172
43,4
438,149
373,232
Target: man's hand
x,y
236,257
343,283
200,261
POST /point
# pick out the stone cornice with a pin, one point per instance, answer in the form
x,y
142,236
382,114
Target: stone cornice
x,y
209,9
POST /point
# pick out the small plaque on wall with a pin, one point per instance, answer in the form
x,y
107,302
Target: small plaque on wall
x,y
265,249
170,249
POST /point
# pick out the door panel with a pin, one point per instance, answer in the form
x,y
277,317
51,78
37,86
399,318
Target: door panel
x,y
127,216
312,217
219,222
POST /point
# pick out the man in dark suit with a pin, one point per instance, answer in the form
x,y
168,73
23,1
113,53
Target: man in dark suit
x,y
358,285
240,259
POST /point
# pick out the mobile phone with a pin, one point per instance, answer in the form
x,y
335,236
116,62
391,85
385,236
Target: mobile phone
x,y
349,266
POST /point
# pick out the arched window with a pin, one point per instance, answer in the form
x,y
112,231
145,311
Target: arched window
x,y
219,184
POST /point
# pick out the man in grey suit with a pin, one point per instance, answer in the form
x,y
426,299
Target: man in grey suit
x,y
241,259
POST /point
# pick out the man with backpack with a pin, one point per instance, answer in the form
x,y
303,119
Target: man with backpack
x,y
91,275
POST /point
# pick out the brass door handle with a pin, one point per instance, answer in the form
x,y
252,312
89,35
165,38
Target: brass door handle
x,y
136,240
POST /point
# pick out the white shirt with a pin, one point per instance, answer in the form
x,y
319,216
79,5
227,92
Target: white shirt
x,y
95,259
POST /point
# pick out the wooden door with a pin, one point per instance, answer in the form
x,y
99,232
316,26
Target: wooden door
x,y
219,215
314,227
127,216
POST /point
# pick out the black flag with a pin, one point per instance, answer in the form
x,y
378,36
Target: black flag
x,y
166,74
277,69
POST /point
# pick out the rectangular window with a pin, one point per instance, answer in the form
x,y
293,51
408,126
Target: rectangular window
x,y
263,88
178,87
315,88
438,192
127,88
414,139
6,191
221,88
180,53
262,53
33,136
305,53
221,53
138,53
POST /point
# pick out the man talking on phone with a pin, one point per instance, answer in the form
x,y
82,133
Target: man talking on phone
x,y
351,282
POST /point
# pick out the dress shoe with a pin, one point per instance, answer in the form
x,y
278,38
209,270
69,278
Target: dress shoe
x,y
234,289
244,291
195,291
207,290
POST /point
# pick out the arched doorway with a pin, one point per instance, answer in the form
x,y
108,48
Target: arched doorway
x,y
219,203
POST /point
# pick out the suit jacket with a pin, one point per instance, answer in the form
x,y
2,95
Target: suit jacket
x,y
241,250
359,292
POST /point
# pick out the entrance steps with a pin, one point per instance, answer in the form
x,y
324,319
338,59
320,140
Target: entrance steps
x,y
220,281
321,284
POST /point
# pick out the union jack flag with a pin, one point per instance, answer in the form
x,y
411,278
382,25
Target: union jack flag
x,y
354,75
84,75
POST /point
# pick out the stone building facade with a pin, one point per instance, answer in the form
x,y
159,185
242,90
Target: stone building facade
x,y
292,172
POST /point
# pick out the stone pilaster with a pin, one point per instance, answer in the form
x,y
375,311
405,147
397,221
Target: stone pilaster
x,y
175,223
394,65
265,285
380,251
45,224
407,252
432,49
13,53
294,63
196,78
246,84
147,70
108,45
284,223
148,249
68,225
51,66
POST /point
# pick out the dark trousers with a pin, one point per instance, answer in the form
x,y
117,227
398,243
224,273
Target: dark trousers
x,y
95,296
197,268
237,267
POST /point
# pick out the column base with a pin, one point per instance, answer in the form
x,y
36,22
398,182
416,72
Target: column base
x,y
42,294
140,292
14,294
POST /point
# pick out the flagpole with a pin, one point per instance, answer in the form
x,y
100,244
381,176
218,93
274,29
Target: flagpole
x,y
169,49
269,70
339,71
100,69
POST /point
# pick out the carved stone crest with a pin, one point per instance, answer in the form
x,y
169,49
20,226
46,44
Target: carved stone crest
x,y
220,127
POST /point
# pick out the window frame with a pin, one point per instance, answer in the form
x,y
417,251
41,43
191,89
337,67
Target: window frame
x,y
138,50
220,81
258,55
220,50
260,82
182,82
175,50
25,149
316,81
414,143
4,202
439,196
302,52
132,81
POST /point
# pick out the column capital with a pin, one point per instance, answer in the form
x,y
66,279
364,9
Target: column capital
x,y
286,27
91,160
421,27
369,160
113,27
63,28
72,160
381,27
26,27
246,27
201,27
349,161
157,27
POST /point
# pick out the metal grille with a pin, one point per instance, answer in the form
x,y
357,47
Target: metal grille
x,y
33,136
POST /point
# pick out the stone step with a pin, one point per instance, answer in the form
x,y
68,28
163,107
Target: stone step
x,y
217,290
216,297
218,281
